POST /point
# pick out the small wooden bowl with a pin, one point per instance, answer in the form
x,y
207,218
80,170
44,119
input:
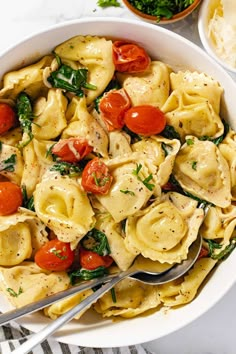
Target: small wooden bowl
x,y
163,21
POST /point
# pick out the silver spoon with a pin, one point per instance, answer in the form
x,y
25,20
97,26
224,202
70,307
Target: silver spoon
x,y
145,271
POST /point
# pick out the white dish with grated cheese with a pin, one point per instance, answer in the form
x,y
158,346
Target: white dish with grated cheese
x,y
217,30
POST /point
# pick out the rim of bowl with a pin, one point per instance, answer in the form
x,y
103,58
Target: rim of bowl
x,y
206,42
164,20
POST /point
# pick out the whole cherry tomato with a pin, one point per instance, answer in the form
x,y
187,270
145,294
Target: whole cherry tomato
x,y
11,198
145,120
7,117
55,255
130,57
113,106
72,149
96,177
91,260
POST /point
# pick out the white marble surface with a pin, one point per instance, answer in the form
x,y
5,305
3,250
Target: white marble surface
x,y
214,332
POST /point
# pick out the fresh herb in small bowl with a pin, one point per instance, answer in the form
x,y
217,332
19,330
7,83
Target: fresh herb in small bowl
x,y
162,11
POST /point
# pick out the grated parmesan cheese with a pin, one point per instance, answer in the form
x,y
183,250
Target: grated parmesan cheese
x,y
223,35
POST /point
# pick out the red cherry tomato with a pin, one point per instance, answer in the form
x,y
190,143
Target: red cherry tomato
x,y
203,253
91,260
11,198
55,255
7,117
130,57
113,106
145,120
96,177
72,149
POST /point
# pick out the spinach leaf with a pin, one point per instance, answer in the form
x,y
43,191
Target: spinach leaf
x,y
28,203
85,274
25,114
96,241
213,245
170,133
218,140
70,80
8,164
67,168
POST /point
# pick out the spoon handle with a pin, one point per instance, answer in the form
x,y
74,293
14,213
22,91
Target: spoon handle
x,y
39,337
38,305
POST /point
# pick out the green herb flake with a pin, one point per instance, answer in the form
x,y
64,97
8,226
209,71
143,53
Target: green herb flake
x,y
58,254
113,295
194,165
127,191
148,185
107,3
189,142
13,293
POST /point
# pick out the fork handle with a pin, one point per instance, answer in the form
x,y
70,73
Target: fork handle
x,y
39,337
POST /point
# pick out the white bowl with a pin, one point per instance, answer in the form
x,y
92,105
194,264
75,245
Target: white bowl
x,y
180,53
205,14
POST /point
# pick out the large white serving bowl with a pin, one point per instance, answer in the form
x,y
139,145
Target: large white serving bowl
x,y
162,44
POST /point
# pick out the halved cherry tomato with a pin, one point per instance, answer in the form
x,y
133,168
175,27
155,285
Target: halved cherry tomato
x,y
203,253
55,255
11,198
145,120
113,106
7,117
96,177
91,260
130,57
72,149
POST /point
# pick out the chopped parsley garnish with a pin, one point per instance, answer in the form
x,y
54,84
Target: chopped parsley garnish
x,y
25,114
113,295
13,293
189,141
96,241
127,191
161,8
8,164
58,254
146,181
100,181
70,80
194,165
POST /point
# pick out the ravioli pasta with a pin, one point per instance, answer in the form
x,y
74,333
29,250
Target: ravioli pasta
x,y
158,183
